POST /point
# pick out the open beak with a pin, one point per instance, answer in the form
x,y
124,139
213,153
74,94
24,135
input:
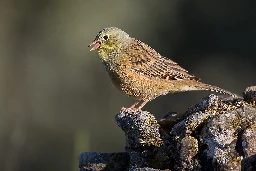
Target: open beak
x,y
96,44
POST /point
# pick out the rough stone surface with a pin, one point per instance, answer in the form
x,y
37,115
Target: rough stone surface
x,y
248,145
250,95
145,169
143,140
141,129
93,161
215,134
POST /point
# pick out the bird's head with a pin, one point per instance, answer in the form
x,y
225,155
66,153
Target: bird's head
x,y
108,40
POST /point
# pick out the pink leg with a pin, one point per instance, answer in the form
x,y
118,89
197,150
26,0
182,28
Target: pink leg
x,y
132,107
143,104
134,104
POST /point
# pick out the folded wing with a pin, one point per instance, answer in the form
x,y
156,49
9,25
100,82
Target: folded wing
x,y
145,60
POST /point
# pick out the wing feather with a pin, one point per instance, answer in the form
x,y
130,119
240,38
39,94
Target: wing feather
x,y
145,60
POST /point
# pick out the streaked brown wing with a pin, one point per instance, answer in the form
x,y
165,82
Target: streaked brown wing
x,y
147,61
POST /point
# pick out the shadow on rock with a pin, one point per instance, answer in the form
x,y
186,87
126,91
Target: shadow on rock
x,y
215,134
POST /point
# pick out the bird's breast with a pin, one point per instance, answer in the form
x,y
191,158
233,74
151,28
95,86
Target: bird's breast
x,y
137,85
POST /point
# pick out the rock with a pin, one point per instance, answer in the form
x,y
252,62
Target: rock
x,y
141,129
93,161
250,95
144,169
143,140
248,145
215,134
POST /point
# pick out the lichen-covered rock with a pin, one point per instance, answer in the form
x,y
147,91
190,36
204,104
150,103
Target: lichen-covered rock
x,y
250,95
220,136
93,161
146,169
188,149
215,134
248,145
141,129
143,140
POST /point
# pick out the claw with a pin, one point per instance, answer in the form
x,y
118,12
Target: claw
x,y
130,110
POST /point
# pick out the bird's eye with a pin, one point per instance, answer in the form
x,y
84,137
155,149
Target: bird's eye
x,y
105,37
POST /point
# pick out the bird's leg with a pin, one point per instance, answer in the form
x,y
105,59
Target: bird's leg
x,y
143,104
134,104
132,107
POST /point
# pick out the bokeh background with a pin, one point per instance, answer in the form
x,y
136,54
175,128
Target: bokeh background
x,y
56,100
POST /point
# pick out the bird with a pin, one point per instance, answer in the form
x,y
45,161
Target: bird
x,y
140,71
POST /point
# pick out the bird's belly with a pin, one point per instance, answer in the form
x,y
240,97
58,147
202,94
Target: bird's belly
x,y
139,86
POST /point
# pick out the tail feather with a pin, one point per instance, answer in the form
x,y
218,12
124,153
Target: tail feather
x,y
216,89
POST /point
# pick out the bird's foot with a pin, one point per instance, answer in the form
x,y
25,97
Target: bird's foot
x,y
133,109
130,109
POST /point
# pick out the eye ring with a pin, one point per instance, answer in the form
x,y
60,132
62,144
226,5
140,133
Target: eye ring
x,y
105,37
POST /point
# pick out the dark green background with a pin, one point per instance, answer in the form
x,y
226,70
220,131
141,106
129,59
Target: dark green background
x,y
56,99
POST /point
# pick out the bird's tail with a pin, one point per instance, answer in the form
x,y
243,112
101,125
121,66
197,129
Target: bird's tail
x,y
204,86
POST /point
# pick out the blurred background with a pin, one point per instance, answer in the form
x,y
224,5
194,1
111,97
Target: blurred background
x,y
56,100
